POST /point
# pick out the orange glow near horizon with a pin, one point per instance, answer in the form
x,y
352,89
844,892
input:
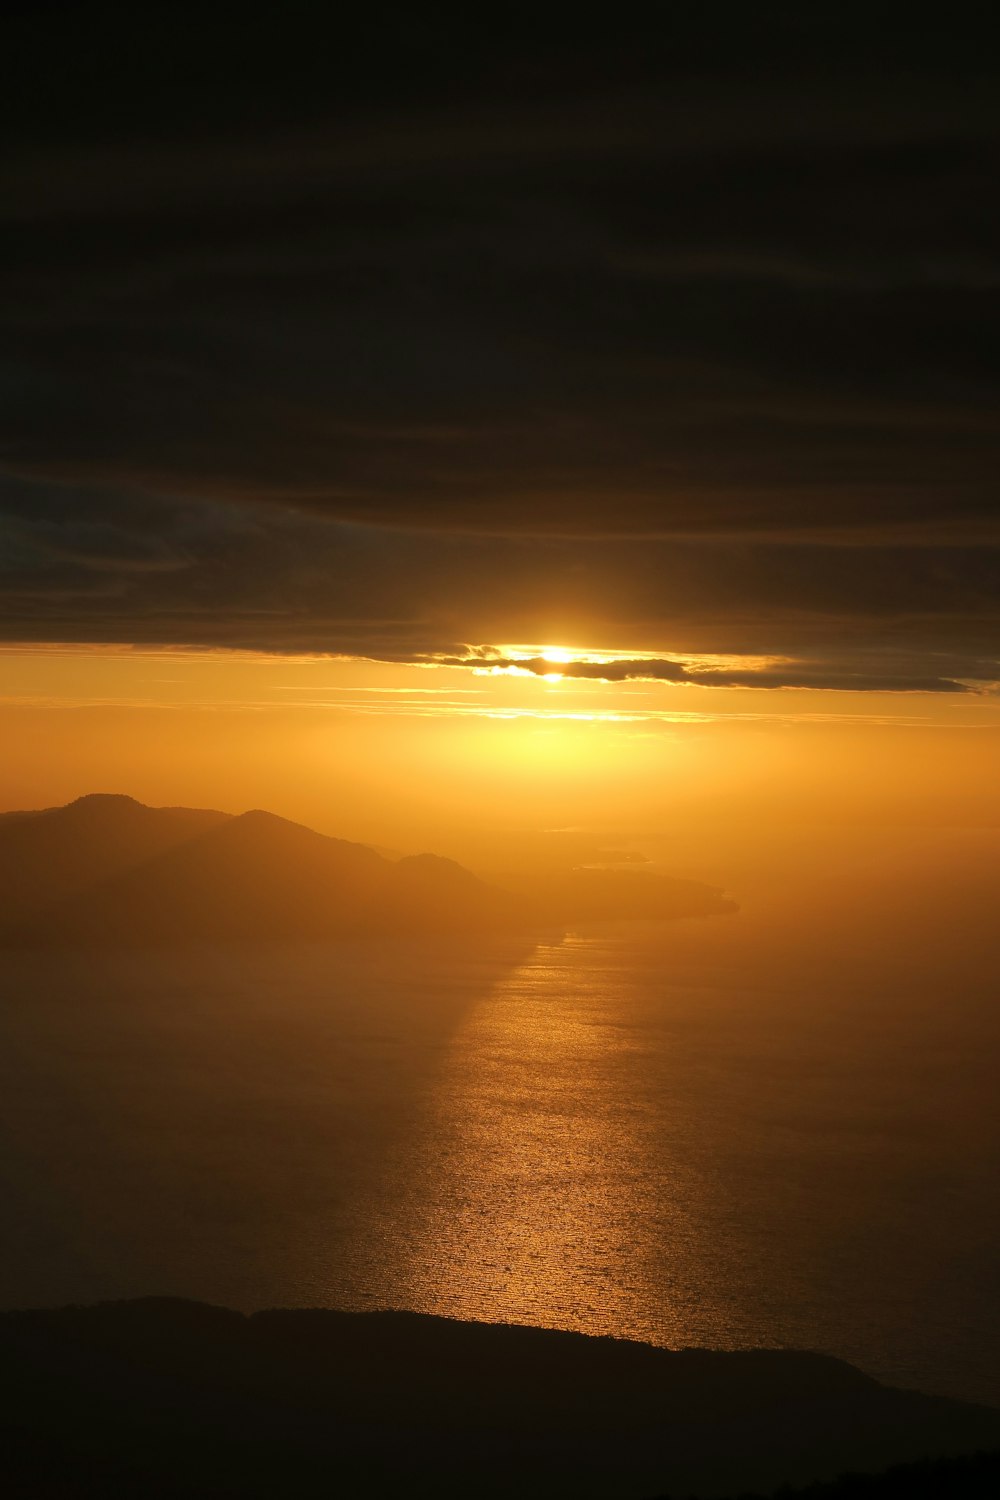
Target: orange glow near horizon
x,y
319,739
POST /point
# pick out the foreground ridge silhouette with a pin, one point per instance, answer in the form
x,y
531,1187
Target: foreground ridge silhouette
x,y
974,1476
109,870
162,1397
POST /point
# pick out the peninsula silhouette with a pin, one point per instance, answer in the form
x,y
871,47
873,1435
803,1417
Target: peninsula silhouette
x,y
106,869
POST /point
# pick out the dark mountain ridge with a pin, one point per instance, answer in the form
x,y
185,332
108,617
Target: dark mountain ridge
x,y
161,1397
54,854
109,870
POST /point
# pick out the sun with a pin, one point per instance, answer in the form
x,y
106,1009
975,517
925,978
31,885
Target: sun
x,y
556,656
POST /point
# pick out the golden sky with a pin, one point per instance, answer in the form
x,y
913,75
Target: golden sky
x,y
454,757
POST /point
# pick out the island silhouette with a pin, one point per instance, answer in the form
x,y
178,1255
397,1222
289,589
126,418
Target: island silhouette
x,y
107,869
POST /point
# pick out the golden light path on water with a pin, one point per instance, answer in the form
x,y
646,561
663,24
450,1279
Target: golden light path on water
x,y
536,1187
723,1133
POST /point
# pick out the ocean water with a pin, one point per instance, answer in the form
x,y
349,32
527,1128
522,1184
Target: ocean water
x,y
778,1129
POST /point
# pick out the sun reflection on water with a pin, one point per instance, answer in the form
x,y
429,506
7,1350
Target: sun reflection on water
x,y
529,1196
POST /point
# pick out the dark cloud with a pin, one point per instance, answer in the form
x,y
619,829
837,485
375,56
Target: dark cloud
x,y
428,336
788,675
189,572
655,300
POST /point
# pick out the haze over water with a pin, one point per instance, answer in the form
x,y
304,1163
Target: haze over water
x,y
776,1128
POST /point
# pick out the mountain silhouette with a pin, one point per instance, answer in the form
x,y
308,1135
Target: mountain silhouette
x,y
60,852
170,1398
108,870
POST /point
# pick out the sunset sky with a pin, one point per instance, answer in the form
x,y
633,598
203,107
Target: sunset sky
x,y
408,432
499,747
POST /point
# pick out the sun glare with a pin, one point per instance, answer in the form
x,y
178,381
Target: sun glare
x,y
557,656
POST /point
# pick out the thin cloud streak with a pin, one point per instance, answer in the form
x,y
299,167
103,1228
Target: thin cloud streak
x,y
678,673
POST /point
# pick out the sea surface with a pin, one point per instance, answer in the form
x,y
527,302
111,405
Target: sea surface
x,y
778,1128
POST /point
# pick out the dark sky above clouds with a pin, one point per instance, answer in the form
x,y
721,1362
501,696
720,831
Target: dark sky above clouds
x,y
390,342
